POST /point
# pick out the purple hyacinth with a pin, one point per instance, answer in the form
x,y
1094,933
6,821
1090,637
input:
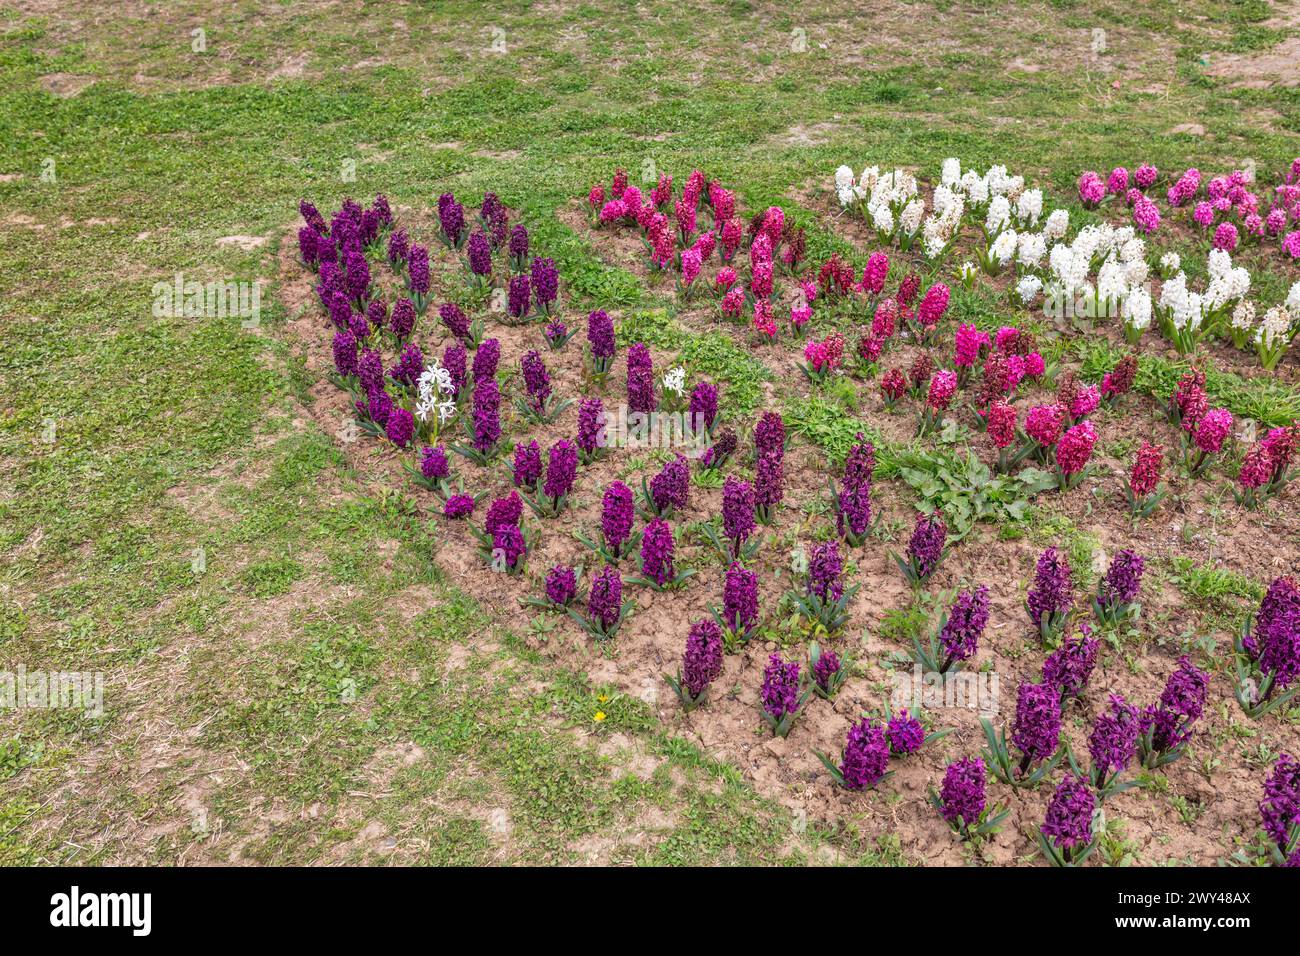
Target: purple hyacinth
x,y
853,510
720,450
1181,704
906,733
740,598
605,601
1068,823
961,797
433,463
616,516
451,217
518,296
487,414
780,687
508,541
555,332
503,511
561,468
546,282
1123,579
486,360
657,552
455,320
370,371
967,618
400,426
480,254
309,245
561,584
402,321
866,755
1114,738
737,512
600,335
1069,667
827,666
345,353
1053,591
417,270
518,243
640,379
378,405
1280,808
670,489
399,248
825,572
926,544
860,465
454,359
358,325
357,276
311,215
459,506
704,406
769,435
341,311
591,426
376,313
383,211
1036,730
702,659
527,464
409,366
1274,639
537,380
769,480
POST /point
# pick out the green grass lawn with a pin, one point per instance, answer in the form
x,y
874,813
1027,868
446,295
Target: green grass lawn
x,y
279,649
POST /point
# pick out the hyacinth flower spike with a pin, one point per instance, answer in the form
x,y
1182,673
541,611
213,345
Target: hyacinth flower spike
x,y
1036,733
782,697
961,800
737,541
561,470
829,671
1168,728
1268,652
824,600
1067,836
865,761
738,616
925,549
906,731
955,641
1116,599
606,610
657,566
560,589
701,664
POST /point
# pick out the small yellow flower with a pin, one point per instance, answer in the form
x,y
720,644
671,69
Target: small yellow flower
x,y
600,715
602,698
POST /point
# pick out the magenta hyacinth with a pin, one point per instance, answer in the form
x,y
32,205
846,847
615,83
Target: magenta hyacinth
x,y
1069,667
1036,731
826,572
657,552
561,585
925,547
591,426
605,600
961,632
737,511
527,465
1068,822
780,693
1181,704
961,797
1053,591
1280,809
906,733
670,489
561,468
640,379
702,659
740,598
487,415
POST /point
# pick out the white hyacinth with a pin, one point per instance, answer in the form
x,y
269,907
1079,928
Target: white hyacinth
x,y
1275,328
1243,316
1058,223
1171,262
1028,287
1293,300
1031,249
951,174
1029,206
999,215
1004,247
883,219
910,219
675,380
1137,307
844,178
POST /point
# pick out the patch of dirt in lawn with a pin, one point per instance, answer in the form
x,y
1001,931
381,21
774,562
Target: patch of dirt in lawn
x,y
1260,70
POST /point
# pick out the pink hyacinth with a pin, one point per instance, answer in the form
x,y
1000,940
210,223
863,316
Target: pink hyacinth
x,y
1091,189
760,283
970,341
1043,423
1146,469
690,265
1291,244
933,305
1256,468
1146,176
613,211
800,315
596,197
1085,402
1226,237
764,324
725,279
1118,181
1146,216
1001,424
942,387
1035,366
732,302
1005,337
1212,429
873,275
1075,448
882,323
1203,214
